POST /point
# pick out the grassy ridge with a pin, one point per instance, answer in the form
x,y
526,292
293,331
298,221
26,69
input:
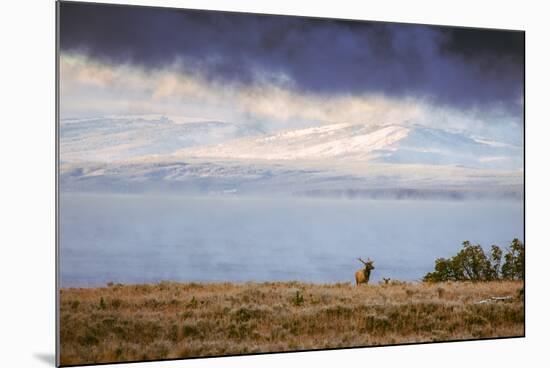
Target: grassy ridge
x,y
176,320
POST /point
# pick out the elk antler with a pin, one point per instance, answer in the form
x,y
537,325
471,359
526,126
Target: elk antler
x,y
365,263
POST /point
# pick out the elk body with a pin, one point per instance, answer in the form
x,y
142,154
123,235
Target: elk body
x,y
362,276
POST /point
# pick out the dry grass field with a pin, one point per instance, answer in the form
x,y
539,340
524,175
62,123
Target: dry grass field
x,y
178,320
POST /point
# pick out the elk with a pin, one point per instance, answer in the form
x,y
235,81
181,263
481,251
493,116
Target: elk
x,y
362,276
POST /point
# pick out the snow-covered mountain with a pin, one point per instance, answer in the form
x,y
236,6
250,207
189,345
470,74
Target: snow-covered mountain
x,y
129,154
125,137
383,144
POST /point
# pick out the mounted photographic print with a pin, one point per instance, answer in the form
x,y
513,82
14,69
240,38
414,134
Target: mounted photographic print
x,y
233,183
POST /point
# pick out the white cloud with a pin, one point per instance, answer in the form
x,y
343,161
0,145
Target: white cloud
x,y
90,87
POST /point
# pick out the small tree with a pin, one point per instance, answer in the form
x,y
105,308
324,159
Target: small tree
x,y
496,260
513,267
472,263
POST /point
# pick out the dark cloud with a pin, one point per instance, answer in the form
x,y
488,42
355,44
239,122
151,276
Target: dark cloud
x,y
456,66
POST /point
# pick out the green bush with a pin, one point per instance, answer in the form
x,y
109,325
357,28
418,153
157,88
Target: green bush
x,y
471,263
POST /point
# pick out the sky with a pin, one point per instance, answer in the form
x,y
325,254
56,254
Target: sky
x,y
284,72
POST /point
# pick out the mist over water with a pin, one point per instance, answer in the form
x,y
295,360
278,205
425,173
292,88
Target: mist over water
x,y
150,238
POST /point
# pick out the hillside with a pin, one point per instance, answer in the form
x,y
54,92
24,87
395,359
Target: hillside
x,y
411,144
171,320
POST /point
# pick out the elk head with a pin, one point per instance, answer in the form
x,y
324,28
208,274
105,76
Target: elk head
x,y
369,265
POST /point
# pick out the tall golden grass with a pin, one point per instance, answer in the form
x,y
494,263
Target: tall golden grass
x,y
179,320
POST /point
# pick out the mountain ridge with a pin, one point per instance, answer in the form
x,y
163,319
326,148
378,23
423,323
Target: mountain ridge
x,y
404,144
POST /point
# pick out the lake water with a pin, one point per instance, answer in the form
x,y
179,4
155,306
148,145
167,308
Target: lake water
x,y
150,238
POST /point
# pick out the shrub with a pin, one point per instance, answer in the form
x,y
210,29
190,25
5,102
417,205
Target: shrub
x,y
88,339
190,330
193,303
298,299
